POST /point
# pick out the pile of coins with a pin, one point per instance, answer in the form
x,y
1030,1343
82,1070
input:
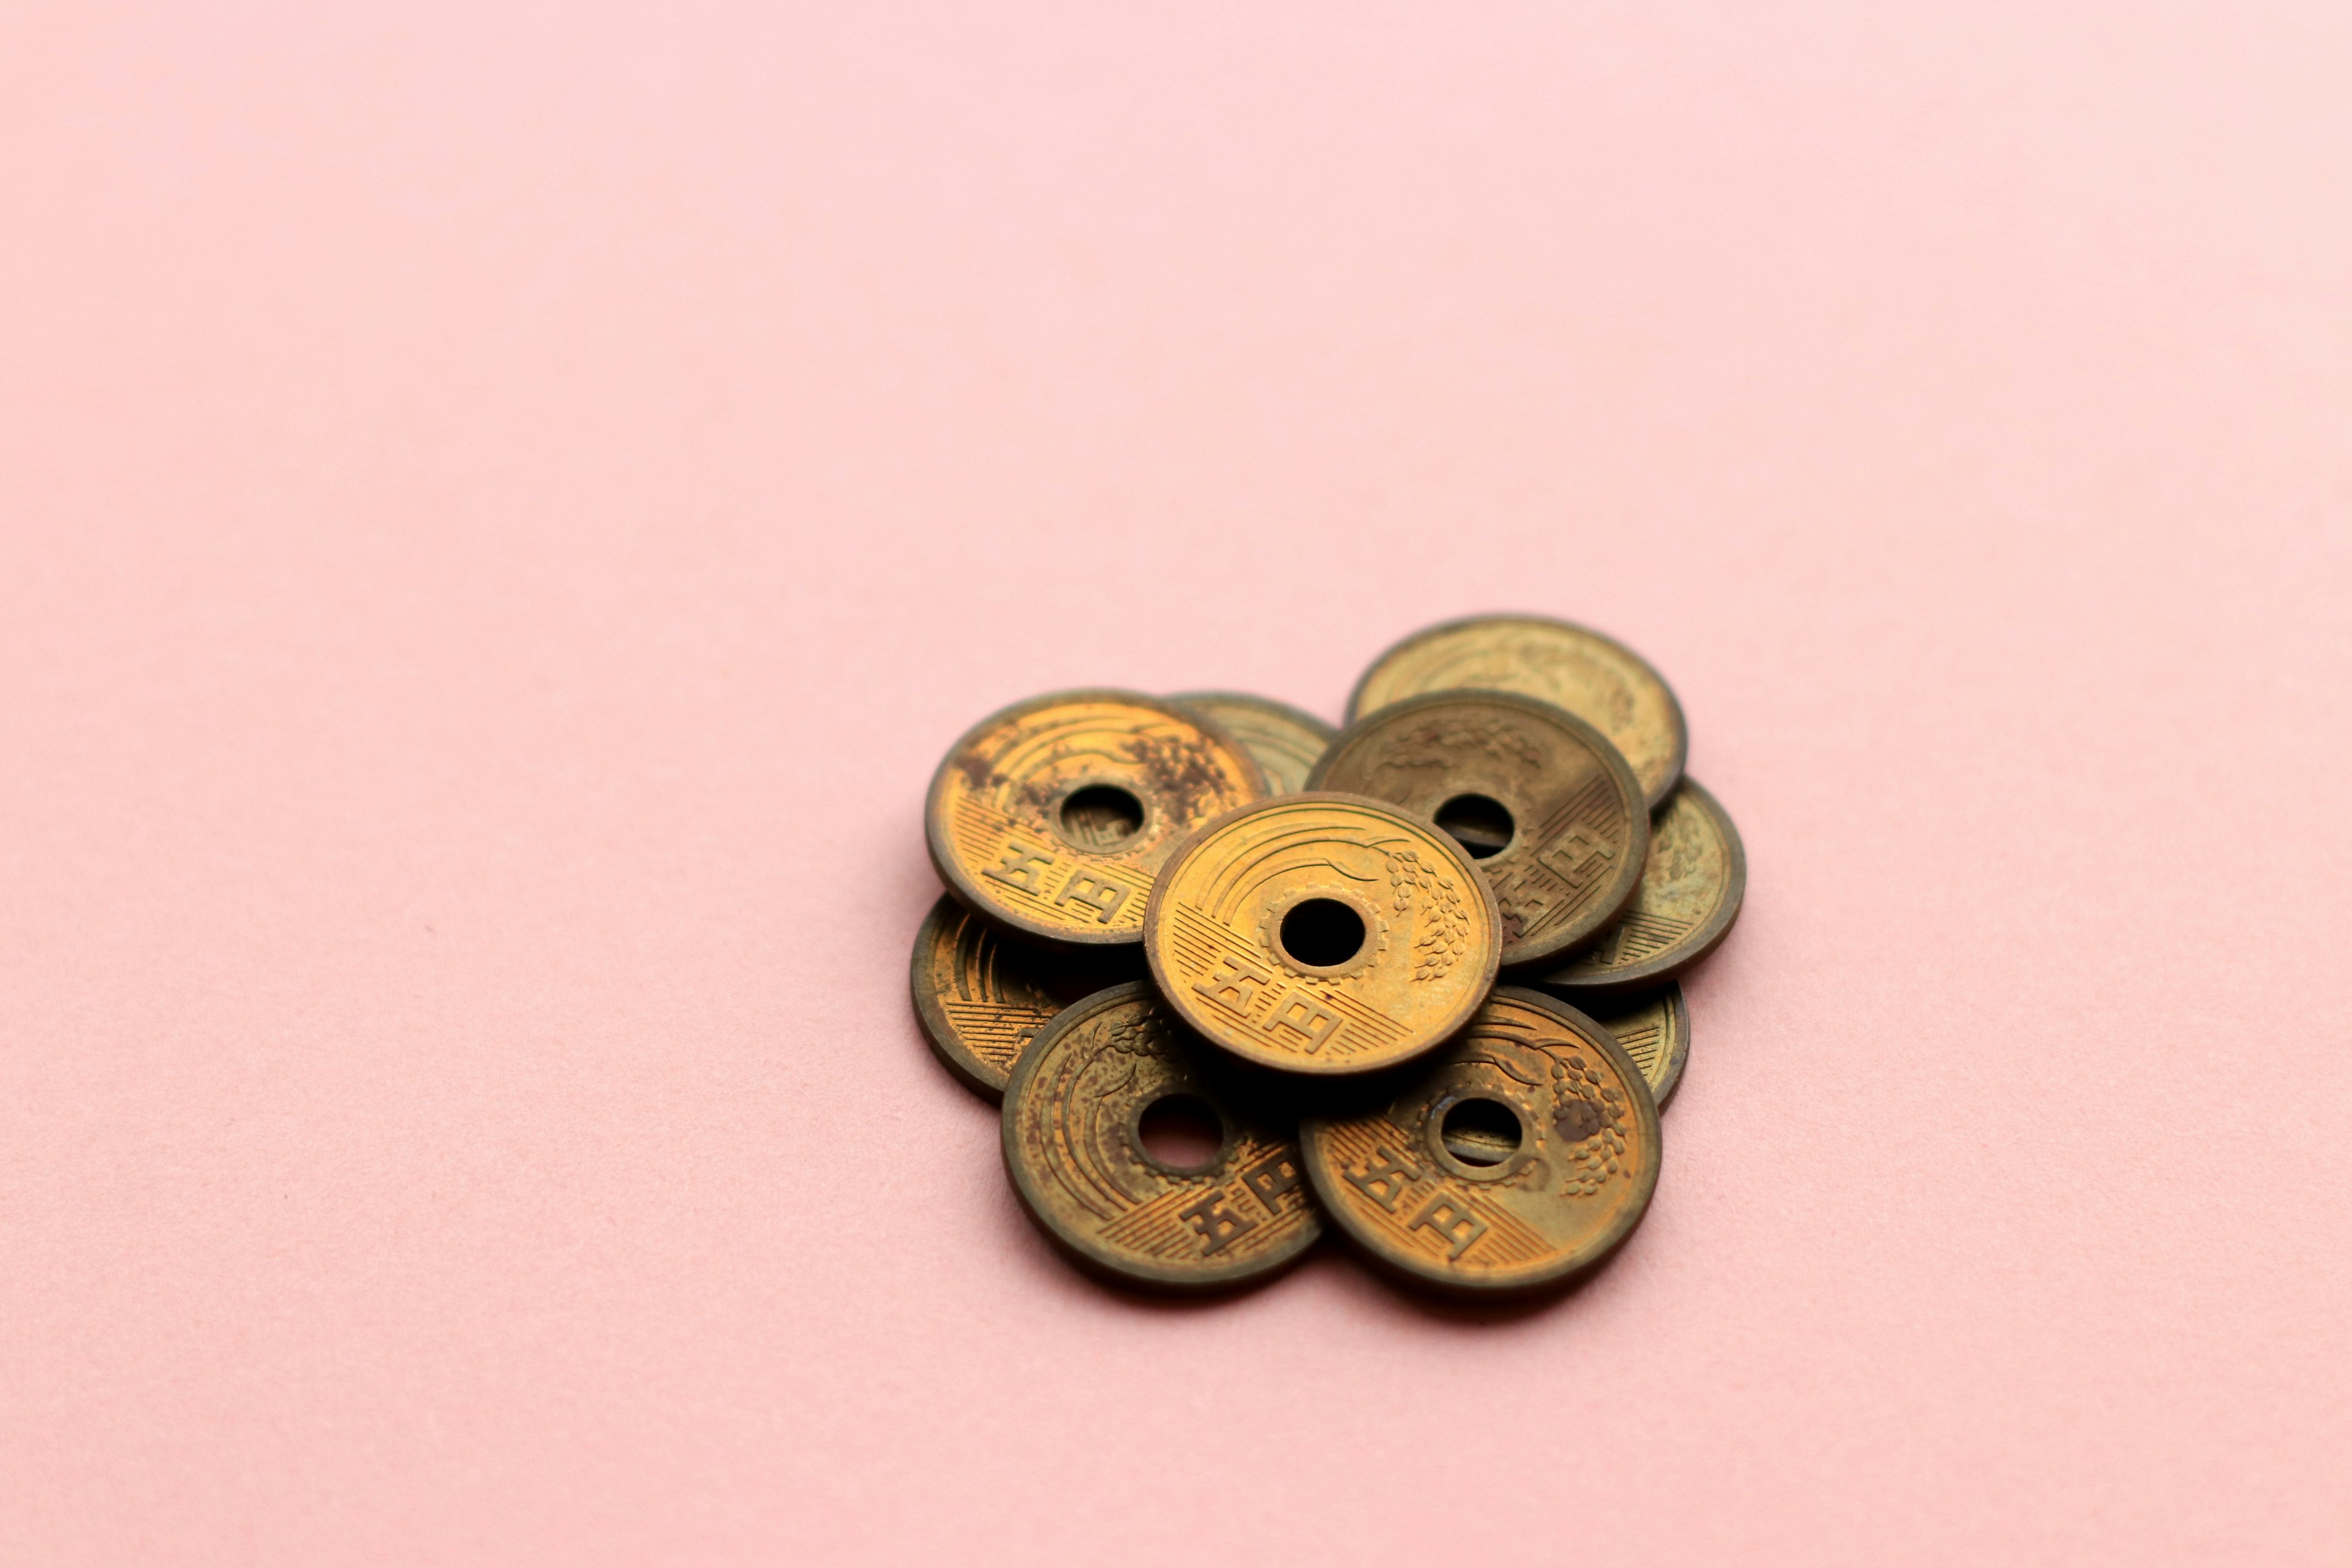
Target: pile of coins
x,y
1211,915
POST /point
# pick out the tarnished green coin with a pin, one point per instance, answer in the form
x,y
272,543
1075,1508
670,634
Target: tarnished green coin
x,y
1524,1154
1598,679
1078,1144
1537,796
982,999
1692,883
1654,1029
1284,740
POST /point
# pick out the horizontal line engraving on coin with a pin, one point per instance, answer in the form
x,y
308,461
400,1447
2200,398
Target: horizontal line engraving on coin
x,y
996,1030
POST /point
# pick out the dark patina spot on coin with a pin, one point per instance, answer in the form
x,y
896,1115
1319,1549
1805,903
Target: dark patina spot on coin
x,y
1578,1120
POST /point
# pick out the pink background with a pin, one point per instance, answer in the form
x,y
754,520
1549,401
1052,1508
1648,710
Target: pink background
x,y
504,506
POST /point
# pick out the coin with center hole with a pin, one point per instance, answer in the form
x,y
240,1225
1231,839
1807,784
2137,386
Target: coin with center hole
x,y
1692,882
1598,679
1654,1029
1322,933
1139,1162
1052,818
1540,799
1284,740
982,999
1523,1155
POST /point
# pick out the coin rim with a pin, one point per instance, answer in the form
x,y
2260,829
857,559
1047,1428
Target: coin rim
x,y
1288,1067
1604,747
1673,963
1674,703
1314,1131
1678,1029
975,898
1101,1262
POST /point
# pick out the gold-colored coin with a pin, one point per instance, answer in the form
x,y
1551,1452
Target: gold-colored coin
x,y
1599,679
982,998
1539,796
1079,1143
1284,740
1523,1156
1052,818
1322,933
1692,882
1654,1029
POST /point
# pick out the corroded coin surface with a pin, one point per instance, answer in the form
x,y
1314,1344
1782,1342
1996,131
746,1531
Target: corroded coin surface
x,y
1541,798
982,999
1692,882
1599,679
1524,1154
1284,740
1323,933
1654,1029
1077,1143
1054,817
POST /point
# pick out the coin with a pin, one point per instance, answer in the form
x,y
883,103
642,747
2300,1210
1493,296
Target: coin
x,y
1539,796
1078,1115
1284,740
1654,1029
981,998
1051,817
1524,1156
1599,679
1322,933
1691,881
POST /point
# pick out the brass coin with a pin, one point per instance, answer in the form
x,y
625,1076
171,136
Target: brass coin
x,y
982,998
1540,798
1076,1145
1654,1029
1322,933
1051,817
1692,882
1523,1156
1599,679
1284,740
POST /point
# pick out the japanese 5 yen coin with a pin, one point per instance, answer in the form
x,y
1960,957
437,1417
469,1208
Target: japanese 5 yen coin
x,y
981,998
1322,933
1052,818
1079,1145
1542,801
1693,879
1524,1156
1598,679
1284,740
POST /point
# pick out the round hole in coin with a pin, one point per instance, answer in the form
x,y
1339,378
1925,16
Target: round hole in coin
x,y
1322,933
1480,1132
1480,824
1101,816
1181,1131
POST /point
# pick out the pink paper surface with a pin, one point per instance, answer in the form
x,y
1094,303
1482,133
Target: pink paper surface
x,y
504,506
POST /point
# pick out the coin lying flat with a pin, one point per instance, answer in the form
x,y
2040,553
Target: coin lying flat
x,y
982,999
1526,1153
1692,882
1051,817
1540,798
1284,740
1075,1144
1322,933
1654,1029
1599,679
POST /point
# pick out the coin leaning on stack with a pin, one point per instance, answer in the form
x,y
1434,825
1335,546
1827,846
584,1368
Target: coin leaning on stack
x,y
1236,976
